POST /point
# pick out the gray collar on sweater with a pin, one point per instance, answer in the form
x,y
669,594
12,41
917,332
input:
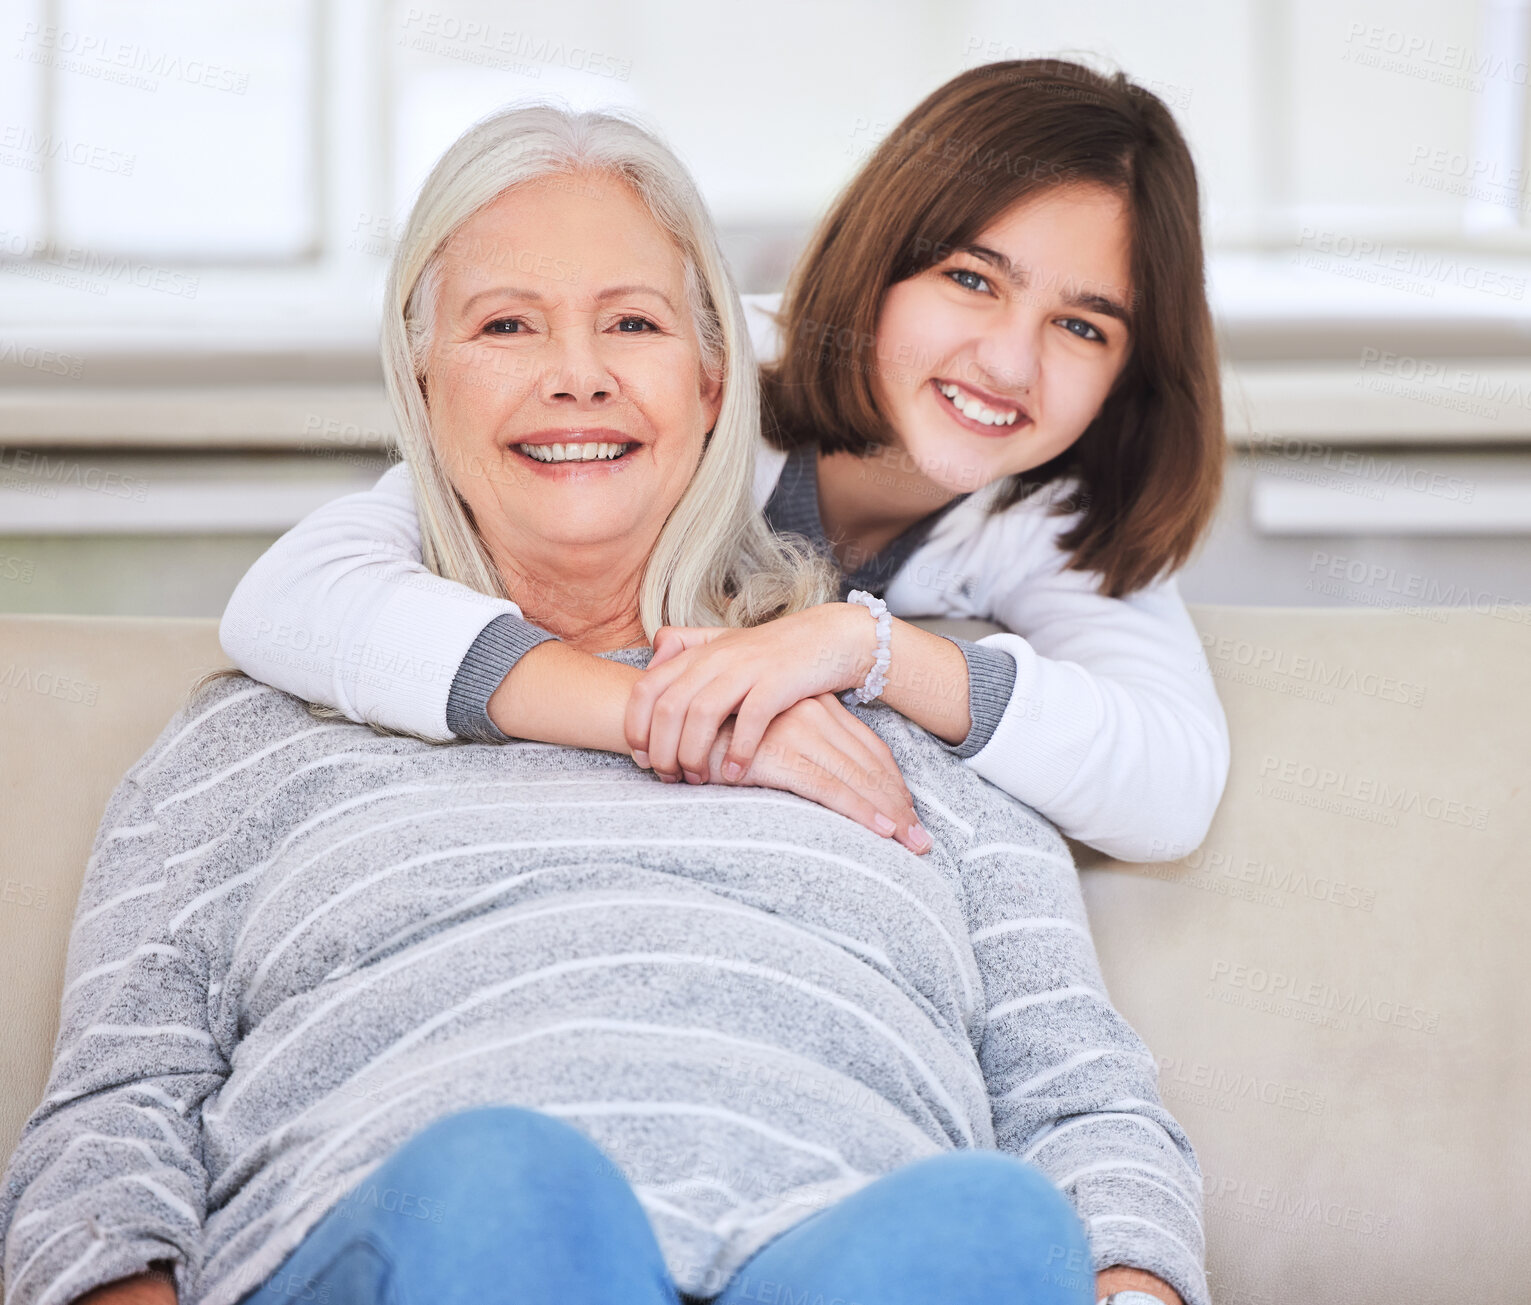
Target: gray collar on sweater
x,y
794,506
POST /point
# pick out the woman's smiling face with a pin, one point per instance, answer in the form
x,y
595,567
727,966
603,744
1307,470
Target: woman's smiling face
x,y
997,358
562,329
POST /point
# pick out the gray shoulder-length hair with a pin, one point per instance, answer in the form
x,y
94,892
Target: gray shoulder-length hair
x,y
716,561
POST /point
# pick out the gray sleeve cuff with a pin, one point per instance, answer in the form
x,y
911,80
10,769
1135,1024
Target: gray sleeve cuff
x,y
991,681
499,646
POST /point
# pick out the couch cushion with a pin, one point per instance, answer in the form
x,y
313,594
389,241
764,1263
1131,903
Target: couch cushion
x,y
1337,984
81,698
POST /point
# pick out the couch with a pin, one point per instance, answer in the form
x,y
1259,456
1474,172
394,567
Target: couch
x,y
1336,985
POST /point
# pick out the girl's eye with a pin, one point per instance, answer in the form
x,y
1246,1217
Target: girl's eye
x,y
635,325
506,326
1082,329
969,279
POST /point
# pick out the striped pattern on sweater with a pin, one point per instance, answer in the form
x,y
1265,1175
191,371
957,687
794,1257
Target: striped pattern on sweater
x,y
299,942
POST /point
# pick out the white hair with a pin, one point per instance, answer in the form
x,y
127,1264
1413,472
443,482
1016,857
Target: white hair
x,y
716,561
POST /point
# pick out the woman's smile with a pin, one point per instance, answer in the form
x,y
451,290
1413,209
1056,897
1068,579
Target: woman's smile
x,y
575,454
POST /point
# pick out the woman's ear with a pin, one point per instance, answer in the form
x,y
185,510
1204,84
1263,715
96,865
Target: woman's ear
x,y
712,399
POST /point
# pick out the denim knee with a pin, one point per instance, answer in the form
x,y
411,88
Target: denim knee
x,y
988,1194
506,1190
510,1130
502,1148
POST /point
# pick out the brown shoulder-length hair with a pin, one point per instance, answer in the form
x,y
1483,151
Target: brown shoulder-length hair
x,y
1150,465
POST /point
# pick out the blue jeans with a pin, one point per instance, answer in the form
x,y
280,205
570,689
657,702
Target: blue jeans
x,y
502,1204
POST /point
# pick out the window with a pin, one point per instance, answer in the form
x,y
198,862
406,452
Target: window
x,y
238,171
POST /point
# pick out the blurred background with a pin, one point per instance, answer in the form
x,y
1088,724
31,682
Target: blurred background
x,y
197,201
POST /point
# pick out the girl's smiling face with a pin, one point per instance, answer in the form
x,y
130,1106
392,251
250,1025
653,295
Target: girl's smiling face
x,y
996,358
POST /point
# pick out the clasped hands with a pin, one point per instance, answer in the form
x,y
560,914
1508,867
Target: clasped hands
x,y
759,706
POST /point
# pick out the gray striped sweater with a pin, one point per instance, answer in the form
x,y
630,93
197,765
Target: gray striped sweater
x,y
298,942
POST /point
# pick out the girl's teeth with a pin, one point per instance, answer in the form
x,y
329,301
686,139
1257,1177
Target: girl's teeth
x,y
976,410
601,452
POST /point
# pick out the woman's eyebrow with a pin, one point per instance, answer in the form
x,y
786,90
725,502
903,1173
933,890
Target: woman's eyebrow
x,y
503,291
536,297
622,291
1086,300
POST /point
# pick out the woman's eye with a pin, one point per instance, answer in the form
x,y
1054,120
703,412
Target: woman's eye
x,y
1082,329
506,326
635,325
969,279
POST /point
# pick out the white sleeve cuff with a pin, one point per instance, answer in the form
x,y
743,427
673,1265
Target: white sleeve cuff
x,y
438,622
1053,717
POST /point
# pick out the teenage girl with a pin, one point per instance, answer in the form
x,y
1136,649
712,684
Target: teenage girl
x,y
994,395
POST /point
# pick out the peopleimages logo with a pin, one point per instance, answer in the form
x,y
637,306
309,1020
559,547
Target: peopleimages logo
x,y
1264,1203
50,362
1259,659
1419,270
1387,582
1353,467
1275,987
1217,1082
1277,773
102,267
46,684
110,60
36,472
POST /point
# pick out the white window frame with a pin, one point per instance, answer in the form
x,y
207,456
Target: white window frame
x,y
330,301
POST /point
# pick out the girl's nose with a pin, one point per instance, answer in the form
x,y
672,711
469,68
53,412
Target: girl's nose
x,y
1008,357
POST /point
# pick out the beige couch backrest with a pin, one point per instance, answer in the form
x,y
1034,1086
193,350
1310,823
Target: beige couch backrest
x,y
1337,986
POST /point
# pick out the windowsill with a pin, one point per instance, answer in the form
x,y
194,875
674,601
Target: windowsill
x,y
274,362
1269,306
1274,308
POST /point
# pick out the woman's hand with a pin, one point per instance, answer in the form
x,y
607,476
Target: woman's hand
x,y
1120,1278
699,676
819,751
140,1289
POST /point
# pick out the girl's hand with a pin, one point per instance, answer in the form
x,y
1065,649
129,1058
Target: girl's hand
x,y
698,677
819,750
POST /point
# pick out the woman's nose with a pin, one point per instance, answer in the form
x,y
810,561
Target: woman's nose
x,y
577,373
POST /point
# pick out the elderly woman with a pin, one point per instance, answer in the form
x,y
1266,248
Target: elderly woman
x,y
357,1018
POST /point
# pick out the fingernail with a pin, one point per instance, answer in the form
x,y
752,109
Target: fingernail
x,y
668,779
732,770
882,824
919,836
641,757
692,778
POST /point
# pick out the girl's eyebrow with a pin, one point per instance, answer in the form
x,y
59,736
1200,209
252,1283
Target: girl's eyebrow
x,y
1090,301
1102,304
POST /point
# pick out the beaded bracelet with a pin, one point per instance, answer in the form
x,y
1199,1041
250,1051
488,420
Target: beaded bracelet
x,y
877,679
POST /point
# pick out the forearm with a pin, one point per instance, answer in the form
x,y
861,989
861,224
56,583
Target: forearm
x,y
1121,1278
1132,764
557,694
927,676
